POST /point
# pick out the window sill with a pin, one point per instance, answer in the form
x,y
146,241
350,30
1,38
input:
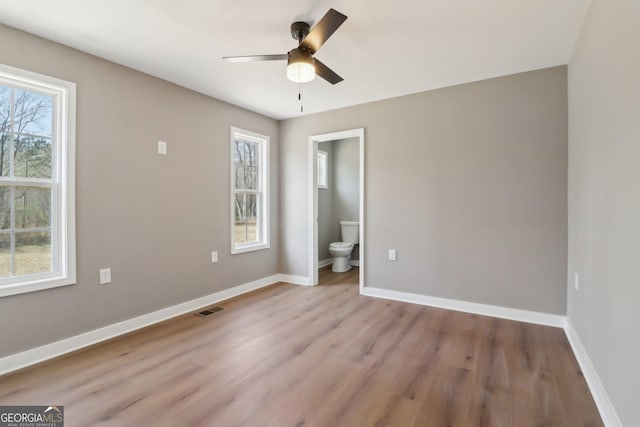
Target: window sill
x,y
34,285
249,248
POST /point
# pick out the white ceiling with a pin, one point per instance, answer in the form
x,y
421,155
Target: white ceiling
x,y
384,49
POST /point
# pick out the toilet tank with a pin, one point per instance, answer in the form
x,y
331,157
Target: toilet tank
x,y
350,231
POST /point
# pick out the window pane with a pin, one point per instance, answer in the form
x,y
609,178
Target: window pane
x,y
252,217
240,231
252,230
322,169
5,207
32,157
33,113
248,153
239,208
245,218
5,108
33,253
5,147
252,153
239,173
5,255
238,151
251,178
32,207
251,206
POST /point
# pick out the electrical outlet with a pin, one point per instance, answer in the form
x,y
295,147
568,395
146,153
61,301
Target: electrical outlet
x,y
576,281
214,257
393,255
105,276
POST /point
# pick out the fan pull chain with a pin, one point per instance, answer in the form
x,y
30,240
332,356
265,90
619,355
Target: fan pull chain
x,y
300,97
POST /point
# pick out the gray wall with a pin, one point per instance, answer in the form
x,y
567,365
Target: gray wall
x,y
346,178
604,197
468,183
153,219
327,230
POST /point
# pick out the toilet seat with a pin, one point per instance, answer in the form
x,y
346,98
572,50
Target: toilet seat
x,y
340,245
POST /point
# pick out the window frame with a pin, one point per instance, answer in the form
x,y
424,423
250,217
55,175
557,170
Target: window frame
x,y
263,224
63,244
323,180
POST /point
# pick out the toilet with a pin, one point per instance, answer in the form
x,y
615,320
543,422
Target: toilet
x,y
341,251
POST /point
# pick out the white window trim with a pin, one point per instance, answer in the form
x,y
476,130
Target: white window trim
x,y
64,236
323,156
265,242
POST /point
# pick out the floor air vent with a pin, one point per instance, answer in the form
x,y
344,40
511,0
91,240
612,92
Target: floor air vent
x,y
209,311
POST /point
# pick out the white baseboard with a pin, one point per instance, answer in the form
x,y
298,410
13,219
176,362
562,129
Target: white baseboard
x,y
294,280
39,354
469,307
325,262
599,393
354,263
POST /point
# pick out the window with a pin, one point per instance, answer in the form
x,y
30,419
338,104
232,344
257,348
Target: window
x,y
250,191
37,140
323,180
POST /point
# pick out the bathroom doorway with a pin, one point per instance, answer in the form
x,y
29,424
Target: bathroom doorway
x,y
327,231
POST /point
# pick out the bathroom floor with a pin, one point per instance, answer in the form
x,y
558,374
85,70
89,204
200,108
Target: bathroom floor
x,y
326,277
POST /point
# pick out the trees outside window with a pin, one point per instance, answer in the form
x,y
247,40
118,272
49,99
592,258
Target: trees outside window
x,y
35,166
249,200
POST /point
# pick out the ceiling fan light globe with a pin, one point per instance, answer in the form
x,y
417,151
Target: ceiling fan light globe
x,y
301,72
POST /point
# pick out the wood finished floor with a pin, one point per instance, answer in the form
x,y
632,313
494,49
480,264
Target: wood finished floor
x,y
323,356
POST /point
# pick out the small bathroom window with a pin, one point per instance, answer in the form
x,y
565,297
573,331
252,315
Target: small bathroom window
x,y
323,179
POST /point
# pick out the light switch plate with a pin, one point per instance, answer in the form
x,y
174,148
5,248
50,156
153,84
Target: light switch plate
x,y
105,276
162,147
393,256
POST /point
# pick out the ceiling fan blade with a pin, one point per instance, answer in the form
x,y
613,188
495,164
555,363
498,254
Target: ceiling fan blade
x,y
329,23
256,58
326,73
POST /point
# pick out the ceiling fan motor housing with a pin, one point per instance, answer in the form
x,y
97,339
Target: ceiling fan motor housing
x,y
299,30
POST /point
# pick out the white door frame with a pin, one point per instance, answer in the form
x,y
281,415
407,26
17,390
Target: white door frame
x,y
313,199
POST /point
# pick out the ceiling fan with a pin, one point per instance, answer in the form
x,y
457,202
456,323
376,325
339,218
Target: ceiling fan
x,y
302,67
